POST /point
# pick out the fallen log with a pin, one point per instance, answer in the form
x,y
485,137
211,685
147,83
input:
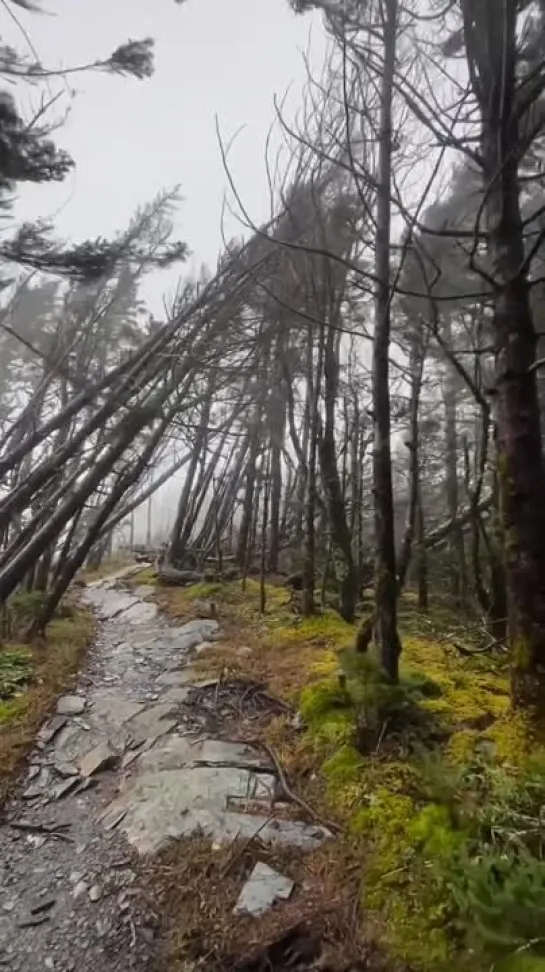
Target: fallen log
x,y
171,577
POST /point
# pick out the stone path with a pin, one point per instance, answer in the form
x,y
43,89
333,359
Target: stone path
x,y
124,766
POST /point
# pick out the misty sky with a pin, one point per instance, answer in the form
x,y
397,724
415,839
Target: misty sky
x,y
131,138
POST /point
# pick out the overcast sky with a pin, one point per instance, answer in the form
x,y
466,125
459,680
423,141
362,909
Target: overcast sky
x,y
131,138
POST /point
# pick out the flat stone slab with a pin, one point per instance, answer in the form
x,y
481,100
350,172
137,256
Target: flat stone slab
x,y
176,678
180,752
176,695
140,613
192,634
101,757
145,590
162,804
151,723
262,890
108,712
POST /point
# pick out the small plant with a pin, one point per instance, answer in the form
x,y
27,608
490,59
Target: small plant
x,y
23,609
15,669
382,706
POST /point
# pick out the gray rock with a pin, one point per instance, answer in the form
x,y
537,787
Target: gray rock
x,y
70,705
262,890
99,758
80,889
95,893
64,788
50,729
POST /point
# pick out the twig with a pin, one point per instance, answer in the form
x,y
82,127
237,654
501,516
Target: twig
x,y
288,792
382,733
245,844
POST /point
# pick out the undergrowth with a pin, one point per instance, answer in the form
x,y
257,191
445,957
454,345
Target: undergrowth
x,y
440,788
33,675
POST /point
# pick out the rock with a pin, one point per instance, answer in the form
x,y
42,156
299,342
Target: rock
x,y
65,769
205,609
262,890
98,759
44,904
62,789
70,705
176,695
80,889
33,793
171,577
115,819
50,729
151,723
34,920
95,893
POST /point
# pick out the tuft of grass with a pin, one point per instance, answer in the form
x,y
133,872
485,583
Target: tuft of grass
x,y
43,671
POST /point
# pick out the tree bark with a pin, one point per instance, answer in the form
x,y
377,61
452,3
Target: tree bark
x,y
491,45
385,560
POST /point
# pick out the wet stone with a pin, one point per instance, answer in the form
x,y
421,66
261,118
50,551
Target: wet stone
x,y
102,757
70,705
262,890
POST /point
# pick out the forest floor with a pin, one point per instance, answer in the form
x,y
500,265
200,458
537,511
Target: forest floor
x,y
437,815
199,802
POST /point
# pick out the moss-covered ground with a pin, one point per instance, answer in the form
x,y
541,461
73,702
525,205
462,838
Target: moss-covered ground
x,y
33,675
439,788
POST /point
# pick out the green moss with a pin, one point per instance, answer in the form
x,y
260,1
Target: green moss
x,y
402,880
461,746
328,713
146,576
510,738
326,628
211,589
470,696
11,710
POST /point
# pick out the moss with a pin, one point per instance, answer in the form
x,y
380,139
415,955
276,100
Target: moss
x,y
326,629
511,738
470,695
401,885
146,576
521,962
327,711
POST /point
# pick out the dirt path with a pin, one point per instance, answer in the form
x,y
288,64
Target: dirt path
x,y
127,764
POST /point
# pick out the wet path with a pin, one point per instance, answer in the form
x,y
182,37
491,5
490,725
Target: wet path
x,y
124,766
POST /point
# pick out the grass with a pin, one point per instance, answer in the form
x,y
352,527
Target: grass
x,y
31,678
416,803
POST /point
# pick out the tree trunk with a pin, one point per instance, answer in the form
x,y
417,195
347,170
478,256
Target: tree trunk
x,y
456,539
385,561
340,534
491,43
